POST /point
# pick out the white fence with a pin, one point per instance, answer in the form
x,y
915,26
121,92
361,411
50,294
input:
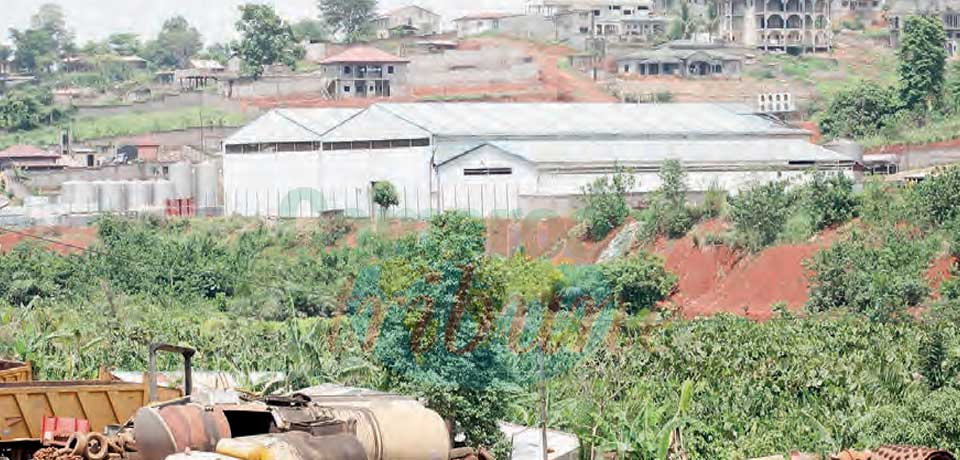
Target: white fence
x,y
487,200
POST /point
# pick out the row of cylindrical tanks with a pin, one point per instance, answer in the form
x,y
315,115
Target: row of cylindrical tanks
x,y
200,182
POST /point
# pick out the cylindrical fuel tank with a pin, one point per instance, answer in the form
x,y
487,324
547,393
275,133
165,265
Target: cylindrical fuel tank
x,y
162,191
207,186
294,445
112,196
181,174
139,194
171,429
393,429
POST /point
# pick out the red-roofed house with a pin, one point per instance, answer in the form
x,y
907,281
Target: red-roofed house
x,y
28,157
364,71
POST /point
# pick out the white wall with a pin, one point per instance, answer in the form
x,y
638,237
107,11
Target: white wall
x,y
303,184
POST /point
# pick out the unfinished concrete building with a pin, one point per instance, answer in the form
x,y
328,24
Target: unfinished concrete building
x,y
793,26
365,72
620,20
407,20
947,10
684,63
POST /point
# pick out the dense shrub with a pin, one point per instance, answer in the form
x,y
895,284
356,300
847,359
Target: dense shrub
x,y
669,215
828,199
604,204
759,214
935,198
877,276
860,110
638,282
385,195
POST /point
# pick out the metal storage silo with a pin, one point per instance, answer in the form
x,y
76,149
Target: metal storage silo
x,y
68,192
181,174
139,195
207,188
79,197
162,191
111,196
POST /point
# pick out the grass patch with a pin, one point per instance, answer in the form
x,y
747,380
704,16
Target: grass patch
x,y
800,67
129,124
938,130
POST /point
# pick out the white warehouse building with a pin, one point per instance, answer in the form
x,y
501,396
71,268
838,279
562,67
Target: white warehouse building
x,y
500,159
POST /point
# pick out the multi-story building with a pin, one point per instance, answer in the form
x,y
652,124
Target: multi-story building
x,y
407,20
622,20
364,71
785,25
947,10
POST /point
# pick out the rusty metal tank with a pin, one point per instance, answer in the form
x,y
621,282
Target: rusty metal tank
x,y
175,428
393,429
294,445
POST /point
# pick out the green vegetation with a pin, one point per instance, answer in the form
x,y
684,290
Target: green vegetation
x,y
124,125
266,39
917,108
604,204
350,19
668,214
385,196
854,371
759,214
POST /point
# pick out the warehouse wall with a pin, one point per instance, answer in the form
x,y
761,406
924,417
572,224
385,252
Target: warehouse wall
x,y
304,184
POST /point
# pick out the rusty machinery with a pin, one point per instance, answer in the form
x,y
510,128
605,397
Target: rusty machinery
x,y
274,428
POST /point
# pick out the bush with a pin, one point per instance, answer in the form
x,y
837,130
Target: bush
x,y
385,195
952,88
331,229
604,203
759,214
828,199
860,110
935,198
669,215
638,282
878,277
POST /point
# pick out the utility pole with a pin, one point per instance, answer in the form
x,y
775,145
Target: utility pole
x,y
543,400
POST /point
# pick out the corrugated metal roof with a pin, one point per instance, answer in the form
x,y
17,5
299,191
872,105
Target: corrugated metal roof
x,y
362,54
587,119
756,151
375,123
26,151
290,125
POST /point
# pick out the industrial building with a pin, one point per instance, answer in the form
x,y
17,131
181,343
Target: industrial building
x,y
499,158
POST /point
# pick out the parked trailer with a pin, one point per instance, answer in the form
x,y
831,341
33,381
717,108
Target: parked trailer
x,y
14,371
103,402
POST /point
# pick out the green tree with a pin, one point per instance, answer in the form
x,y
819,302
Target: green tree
x,y
28,108
50,18
437,292
310,30
124,44
828,199
604,203
36,50
385,196
759,214
935,199
638,282
176,43
952,88
349,18
878,276
922,61
860,110
265,39
219,52
668,206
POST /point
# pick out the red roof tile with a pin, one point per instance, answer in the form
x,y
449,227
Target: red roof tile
x,y
361,54
26,151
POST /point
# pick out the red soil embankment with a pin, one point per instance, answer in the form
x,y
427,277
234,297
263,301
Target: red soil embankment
x,y
73,238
